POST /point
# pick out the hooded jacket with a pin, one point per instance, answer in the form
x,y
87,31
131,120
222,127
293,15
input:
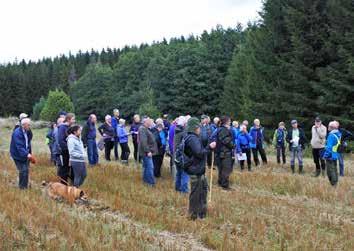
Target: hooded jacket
x,y
122,134
257,135
243,142
76,149
194,149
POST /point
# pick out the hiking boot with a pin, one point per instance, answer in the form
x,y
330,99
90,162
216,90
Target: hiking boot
x,y
301,170
317,173
292,169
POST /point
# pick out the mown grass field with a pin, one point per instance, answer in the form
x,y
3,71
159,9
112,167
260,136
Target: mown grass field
x,y
270,209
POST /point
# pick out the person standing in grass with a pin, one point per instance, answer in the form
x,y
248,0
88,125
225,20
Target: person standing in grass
x,y
107,132
56,148
20,150
89,139
205,133
115,122
318,142
182,178
257,144
199,184
279,142
77,155
64,170
50,141
243,147
157,159
331,152
346,136
134,128
123,141
297,140
147,149
224,150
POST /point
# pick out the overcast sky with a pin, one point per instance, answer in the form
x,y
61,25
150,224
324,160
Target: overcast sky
x,y
33,29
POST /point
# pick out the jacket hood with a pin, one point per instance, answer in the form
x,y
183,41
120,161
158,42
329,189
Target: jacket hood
x,y
73,136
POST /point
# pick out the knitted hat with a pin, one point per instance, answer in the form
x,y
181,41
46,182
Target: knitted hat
x,y
192,124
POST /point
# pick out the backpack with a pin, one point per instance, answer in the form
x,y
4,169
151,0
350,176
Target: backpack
x,y
182,160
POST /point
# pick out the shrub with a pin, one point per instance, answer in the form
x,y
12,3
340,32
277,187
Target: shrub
x,y
37,108
57,101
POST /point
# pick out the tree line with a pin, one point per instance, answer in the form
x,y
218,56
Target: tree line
x,y
297,61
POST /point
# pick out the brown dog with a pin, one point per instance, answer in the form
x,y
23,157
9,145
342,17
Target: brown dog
x,y
57,190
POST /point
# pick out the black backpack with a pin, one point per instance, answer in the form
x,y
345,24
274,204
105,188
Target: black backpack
x,y
182,160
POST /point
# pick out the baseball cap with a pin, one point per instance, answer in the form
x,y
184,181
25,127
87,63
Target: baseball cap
x,y
294,121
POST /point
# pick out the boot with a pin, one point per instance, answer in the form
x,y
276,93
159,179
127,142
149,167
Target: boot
x,y
292,169
301,170
317,173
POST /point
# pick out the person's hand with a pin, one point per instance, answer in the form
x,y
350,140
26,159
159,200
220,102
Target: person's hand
x,y
104,135
149,154
291,141
29,156
212,145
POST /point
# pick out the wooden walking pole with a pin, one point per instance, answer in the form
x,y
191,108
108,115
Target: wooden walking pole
x,y
211,175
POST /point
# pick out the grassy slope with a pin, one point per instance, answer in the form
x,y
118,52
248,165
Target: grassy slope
x,y
271,210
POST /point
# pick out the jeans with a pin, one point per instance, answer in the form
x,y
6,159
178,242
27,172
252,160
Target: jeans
x,y
92,152
80,173
319,162
332,172
296,152
181,182
148,170
259,148
341,164
23,169
281,152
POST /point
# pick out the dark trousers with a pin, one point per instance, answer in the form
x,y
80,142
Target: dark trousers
x,y
209,156
124,155
135,144
64,170
116,145
157,160
92,152
23,170
108,145
281,153
80,173
319,162
198,197
259,148
225,170
249,162
332,172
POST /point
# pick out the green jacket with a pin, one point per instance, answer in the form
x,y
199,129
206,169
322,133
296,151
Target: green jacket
x,y
275,138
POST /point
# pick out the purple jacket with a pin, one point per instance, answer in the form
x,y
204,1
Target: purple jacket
x,y
171,136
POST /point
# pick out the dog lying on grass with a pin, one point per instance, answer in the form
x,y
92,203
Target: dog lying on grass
x,y
56,190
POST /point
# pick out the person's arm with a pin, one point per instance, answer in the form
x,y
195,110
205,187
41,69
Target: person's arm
x,y
275,138
238,146
226,139
84,134
196,148
322,132
143,142
72,153
328,148
288,137
101,129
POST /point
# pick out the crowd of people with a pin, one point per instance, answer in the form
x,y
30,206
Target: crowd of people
x,y
191,143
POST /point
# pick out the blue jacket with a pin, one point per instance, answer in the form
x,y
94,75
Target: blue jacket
x,y
115,123
134,129
243,142
18,148
171,136
257,135
122,134
62,135
331,149
205,133
235,133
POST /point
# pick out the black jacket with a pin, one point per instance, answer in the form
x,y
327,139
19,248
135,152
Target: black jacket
x,y
302,136
224,143
156,133
195,150
108,130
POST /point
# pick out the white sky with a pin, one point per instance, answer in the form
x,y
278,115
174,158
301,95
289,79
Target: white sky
x,y
33,29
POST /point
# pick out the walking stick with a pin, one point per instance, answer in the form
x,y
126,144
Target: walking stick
x,y
211,175
137,158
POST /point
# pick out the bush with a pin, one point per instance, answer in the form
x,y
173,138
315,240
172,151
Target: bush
x,y
57,101
37,108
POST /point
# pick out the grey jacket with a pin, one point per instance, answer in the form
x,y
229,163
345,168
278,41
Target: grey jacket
x,y
147,142
76,149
